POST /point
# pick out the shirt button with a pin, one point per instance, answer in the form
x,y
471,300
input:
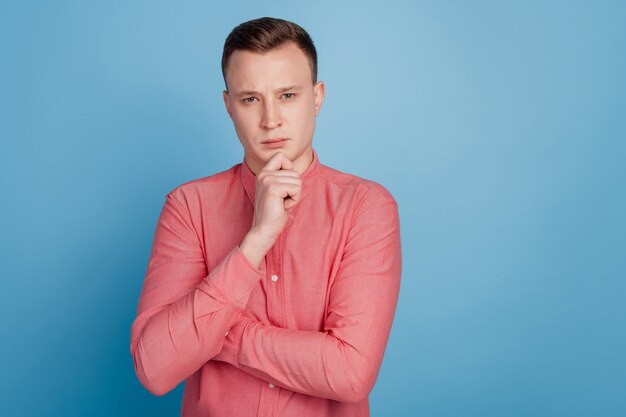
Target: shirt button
x,y
226,334
274,278
271,385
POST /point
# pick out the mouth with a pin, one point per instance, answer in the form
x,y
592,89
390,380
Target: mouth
x,y
274,140
275,143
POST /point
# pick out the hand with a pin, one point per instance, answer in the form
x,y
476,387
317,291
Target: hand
x,y
278,188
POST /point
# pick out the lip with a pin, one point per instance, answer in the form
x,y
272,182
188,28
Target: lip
x,y
274,140
275,143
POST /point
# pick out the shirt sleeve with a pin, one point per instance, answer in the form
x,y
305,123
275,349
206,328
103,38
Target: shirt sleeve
x,y
183,311
342,362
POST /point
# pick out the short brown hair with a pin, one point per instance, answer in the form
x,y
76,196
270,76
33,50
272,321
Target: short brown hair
x,y
264,34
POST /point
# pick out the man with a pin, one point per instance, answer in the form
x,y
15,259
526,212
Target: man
x,y
272,286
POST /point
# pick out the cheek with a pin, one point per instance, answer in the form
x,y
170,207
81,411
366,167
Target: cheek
x,y
301,114
243,120
306,119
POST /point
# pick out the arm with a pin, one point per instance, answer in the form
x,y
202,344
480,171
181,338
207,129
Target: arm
x,y
183,313
342,362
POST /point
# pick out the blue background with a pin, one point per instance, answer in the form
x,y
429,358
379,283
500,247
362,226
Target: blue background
x,y
499,128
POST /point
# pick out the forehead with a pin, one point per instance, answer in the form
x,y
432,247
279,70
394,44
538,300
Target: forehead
x,y
284,65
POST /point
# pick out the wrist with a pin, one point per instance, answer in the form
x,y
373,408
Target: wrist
x,y
255,246
257,237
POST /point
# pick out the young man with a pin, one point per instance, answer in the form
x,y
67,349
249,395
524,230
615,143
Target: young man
x,y
272,286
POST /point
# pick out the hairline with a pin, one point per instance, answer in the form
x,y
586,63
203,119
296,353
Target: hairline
x,y
309,60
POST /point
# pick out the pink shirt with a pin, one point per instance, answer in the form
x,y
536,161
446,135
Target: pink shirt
x,y
302,335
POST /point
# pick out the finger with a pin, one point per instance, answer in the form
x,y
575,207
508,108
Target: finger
x,y
286,163
288,190
294,195
292,200
289,204
283,173
278,161
268,179
274,163
277,180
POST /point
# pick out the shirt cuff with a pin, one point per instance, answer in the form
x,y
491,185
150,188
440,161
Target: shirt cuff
x,y
233,279
232,341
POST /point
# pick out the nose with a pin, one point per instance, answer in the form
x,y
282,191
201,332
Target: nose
x,y
271,117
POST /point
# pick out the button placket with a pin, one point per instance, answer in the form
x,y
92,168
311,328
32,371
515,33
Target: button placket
x,y
274,310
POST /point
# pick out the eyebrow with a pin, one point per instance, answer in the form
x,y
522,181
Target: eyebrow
x,y
278,90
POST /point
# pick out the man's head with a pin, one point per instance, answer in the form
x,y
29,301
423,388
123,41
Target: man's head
x,y
270,72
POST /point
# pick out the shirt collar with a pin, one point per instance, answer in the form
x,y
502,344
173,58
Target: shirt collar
x,y
248,178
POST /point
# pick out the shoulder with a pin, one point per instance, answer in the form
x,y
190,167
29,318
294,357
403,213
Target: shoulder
x,y
365,191
210,185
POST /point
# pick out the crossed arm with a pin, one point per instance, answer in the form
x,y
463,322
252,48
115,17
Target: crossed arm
x,y
186,318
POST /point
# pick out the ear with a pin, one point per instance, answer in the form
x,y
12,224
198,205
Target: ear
x,y
227,103
318,95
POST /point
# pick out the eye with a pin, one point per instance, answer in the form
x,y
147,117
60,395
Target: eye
x,y
247,99
291,95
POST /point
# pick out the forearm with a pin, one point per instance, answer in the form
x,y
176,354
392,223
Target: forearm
x,y
171,342
312,363
179,339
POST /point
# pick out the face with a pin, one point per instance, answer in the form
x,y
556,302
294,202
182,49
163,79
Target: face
x,y
271,95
